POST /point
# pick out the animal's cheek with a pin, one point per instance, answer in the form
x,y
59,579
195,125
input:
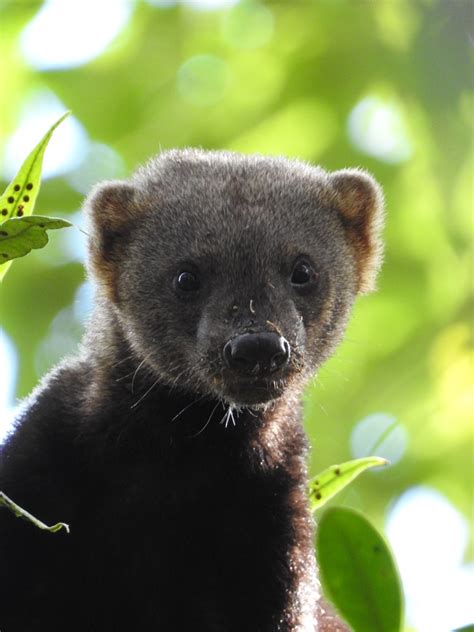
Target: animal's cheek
x,y
325,328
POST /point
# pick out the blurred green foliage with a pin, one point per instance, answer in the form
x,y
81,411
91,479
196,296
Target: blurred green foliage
x,y
381,85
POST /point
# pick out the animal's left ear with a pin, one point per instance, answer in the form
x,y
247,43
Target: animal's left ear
x,y
112,210
359,201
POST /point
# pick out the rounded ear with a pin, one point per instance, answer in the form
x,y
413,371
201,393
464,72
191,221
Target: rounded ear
x,y
111,210
359,201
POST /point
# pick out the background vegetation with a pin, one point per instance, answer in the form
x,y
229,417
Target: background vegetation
x,y
383,85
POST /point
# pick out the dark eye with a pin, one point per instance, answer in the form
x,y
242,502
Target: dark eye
x,y
187,282
303,273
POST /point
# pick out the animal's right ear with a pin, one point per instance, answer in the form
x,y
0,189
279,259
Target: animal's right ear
x,y
111,210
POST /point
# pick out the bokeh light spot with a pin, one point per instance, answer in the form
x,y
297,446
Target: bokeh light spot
x,y
202,80
68,34
208,5
74,243
100,162
377,128
380,435
248,25
83,302
429,537
162,4
9,364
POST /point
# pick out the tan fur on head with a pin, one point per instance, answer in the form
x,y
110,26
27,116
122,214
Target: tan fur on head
x,y
111,208
360,204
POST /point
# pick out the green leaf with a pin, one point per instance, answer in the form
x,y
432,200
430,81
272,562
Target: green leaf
x,y
358,572
19,235
22,513
332,480
18,199
20,195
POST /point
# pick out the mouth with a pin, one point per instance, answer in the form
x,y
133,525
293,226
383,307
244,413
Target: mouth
x,y
247,392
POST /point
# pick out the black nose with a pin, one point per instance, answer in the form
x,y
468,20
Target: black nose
x,y
257,354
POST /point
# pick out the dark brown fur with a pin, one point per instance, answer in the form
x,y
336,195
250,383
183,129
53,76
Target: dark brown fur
x,y
179,522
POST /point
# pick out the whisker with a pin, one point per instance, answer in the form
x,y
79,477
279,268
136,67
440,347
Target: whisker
x,y
228,416
145,393
136,372
195,401
206,424
124,377
223,418
131,355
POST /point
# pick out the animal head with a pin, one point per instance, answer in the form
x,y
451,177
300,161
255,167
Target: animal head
x,y
234,275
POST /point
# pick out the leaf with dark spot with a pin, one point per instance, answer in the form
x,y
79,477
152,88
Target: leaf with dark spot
x,y
19,235
15,202
28,178
332,480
